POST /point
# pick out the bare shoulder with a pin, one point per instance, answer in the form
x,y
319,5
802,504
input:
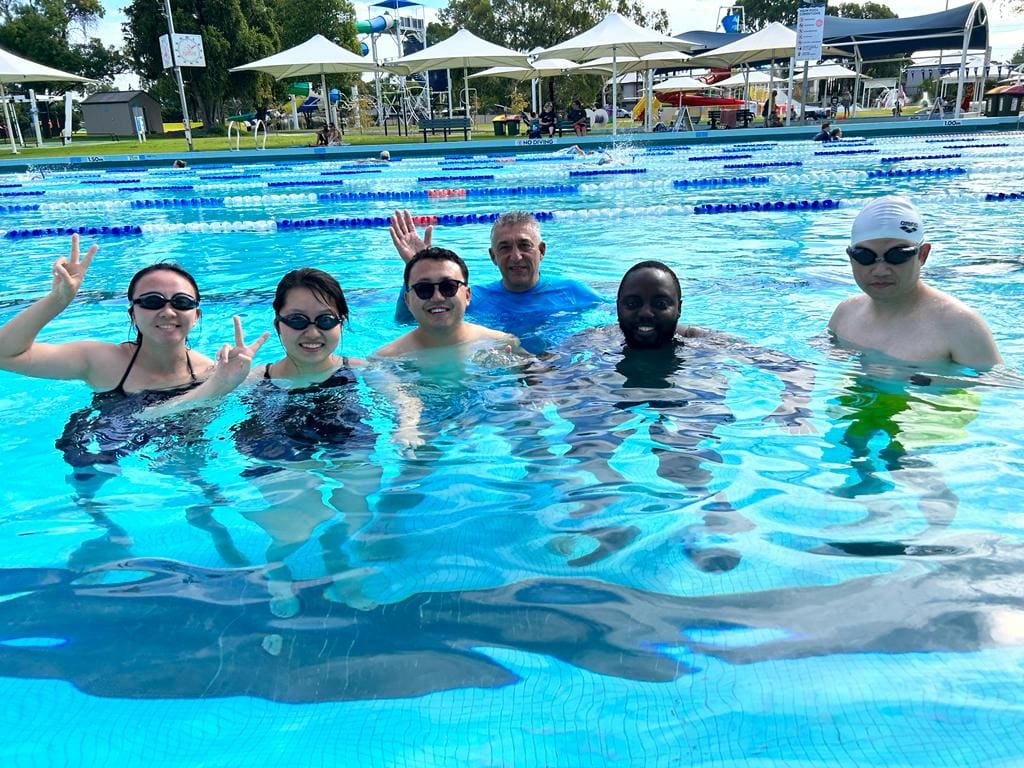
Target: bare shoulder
x,y
395,348
478,332
845,309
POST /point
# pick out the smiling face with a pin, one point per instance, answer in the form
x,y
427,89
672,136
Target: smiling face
x,y
437,313
884,281
166,325
310,349
517,251
648,308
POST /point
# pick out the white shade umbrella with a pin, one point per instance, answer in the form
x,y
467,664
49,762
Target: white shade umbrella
x,y
316,56
674,84
14,69
830,72
462,50
615,36
546,68
776,41
754,78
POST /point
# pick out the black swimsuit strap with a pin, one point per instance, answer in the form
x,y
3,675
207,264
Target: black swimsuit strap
x,y
188,364
266,372
124,378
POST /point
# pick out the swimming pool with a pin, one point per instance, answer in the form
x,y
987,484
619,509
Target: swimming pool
x,y
520,592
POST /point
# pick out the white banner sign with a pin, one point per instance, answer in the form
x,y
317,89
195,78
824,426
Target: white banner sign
x,y
810,27
188,51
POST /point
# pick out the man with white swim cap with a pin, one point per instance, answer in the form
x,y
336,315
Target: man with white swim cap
x,y
899,315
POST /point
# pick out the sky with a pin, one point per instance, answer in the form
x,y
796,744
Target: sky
x,y
1007,30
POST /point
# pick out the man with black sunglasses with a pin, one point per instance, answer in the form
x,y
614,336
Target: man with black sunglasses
x,y
899,315
522,301
437,293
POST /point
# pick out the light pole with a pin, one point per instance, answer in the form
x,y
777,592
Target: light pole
x,y
177,74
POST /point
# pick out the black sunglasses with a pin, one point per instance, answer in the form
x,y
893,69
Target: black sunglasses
x,y
180,301
448,288
297,322
895,255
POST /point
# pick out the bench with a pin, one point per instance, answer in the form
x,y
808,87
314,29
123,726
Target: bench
x,y
567,125
714,116
446,125
745,115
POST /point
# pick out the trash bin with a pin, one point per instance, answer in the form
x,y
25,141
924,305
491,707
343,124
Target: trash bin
x,y
512,126
499,125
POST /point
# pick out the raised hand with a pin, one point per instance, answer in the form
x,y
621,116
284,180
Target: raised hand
x,y
233,363
69,272
405,237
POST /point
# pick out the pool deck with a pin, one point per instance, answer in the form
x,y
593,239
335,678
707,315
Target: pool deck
x,y
908,126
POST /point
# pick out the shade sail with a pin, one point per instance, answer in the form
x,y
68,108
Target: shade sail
x,y
316,56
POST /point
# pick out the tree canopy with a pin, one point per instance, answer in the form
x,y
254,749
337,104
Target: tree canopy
x,y
40,30
231,37
761,13
1018,57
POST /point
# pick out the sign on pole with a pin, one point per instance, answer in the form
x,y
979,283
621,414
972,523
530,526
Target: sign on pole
x,y
188,51
810,27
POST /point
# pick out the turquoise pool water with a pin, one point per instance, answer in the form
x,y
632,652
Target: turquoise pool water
x,y
529,589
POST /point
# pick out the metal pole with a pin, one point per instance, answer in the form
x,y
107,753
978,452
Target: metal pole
x,y
8,120
34,113
615,94
177,74
803,94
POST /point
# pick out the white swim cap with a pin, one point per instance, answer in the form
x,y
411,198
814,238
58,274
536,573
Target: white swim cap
x,y
889,217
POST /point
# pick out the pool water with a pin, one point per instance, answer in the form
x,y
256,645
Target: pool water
x,y
590,562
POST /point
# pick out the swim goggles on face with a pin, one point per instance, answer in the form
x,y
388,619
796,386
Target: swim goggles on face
x,y
153,301
425,289
895,255
299,322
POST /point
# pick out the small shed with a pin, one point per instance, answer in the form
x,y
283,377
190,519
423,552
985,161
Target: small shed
x,y
1004,100
114,112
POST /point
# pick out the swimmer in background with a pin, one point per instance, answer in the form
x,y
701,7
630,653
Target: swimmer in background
x,y
382,159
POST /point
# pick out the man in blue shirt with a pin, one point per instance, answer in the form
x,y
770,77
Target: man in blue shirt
x,y
522,301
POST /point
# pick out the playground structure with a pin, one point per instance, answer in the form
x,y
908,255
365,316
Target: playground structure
x,y
409,99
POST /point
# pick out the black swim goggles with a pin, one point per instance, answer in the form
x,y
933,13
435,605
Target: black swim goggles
x,y
297,322
425,289
896,255
154,301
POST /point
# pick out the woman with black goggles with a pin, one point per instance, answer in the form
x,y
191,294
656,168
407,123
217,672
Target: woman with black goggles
x,y
163,306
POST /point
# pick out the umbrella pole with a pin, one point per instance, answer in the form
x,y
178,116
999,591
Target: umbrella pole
x,y
326,97
650,100
789,95
448,77
465,81
7,119
615,97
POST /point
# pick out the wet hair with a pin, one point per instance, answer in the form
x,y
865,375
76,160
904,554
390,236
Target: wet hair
x,y
515,219
385,155
321,284
160,266
435,254
656,266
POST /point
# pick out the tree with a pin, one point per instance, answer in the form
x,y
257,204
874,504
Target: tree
x,y
862,11
758,14
38,30
1018,57
230,38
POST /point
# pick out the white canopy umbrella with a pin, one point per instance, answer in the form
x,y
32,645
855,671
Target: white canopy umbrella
x,y
316,56
14,69
775,41
462,50
615,36
830,72
546,68
681,83
753,78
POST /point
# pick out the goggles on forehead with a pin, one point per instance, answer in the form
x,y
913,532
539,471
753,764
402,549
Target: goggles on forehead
x,y
152,301
299,322
447,287
896,255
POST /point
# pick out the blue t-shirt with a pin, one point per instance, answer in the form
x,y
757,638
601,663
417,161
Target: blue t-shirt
x,y
523,313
